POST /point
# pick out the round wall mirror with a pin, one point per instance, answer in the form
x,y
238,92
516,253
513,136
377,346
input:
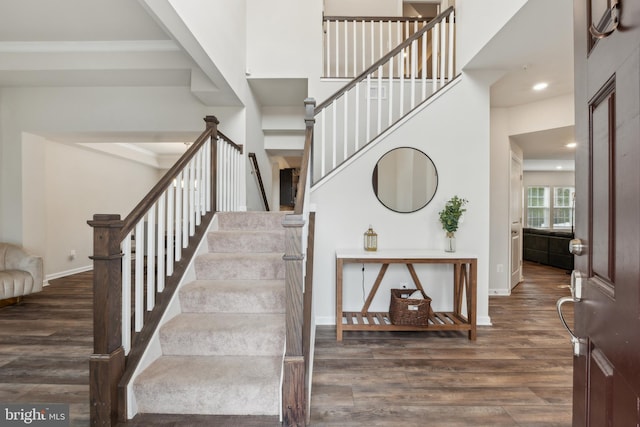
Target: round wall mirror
x,y
405,179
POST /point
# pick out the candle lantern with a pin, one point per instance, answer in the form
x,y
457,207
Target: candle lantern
x,y
370,240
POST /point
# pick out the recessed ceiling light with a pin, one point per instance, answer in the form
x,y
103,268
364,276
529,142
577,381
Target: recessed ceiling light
x,y
571,145
559,167
540,86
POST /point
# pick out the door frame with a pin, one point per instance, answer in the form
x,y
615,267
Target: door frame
x,y
518,159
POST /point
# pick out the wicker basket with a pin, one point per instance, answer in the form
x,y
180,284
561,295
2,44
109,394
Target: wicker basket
x,y
405,311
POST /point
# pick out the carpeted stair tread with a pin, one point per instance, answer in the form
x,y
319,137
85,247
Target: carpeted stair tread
x,y
246,241
223,334
239,266
228,296
210,385
250,220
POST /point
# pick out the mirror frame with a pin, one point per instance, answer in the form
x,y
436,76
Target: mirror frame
x,y
374,181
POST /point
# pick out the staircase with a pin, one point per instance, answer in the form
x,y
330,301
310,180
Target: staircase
x,y
222,355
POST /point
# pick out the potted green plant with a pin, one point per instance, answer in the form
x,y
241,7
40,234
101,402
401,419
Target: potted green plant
x,y
450,218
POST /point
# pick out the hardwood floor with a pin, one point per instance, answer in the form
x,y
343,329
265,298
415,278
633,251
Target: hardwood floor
x,y
518,372
45,344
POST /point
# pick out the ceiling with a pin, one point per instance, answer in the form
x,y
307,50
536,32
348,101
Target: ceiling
x,y
120,42
535,46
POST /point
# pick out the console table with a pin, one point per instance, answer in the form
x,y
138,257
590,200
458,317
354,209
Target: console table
x,y
464,291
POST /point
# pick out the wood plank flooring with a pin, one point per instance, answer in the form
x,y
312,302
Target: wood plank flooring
x,y
518,372
45,344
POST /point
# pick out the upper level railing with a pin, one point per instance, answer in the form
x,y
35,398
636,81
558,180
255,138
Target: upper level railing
x,y
139,261
353,43
383,94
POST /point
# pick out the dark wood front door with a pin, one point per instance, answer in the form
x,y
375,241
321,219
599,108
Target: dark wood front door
x,y
607,319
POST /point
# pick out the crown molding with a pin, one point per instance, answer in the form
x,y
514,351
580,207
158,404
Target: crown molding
x,y
89,46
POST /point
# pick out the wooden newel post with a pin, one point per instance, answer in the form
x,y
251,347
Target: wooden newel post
x,y
293,386
212,123
106,364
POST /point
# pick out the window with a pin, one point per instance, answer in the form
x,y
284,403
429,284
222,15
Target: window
x,y
563,207
538,207
541,208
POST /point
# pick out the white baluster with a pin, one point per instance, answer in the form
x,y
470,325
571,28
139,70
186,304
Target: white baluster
x,y
337,54
346,48
178,211
162,240
171,208
435,43
381,46
356,121
423,74
364,45
151,258
126,293
185,206
368,96
390,95
379,99
354,27
334,136
451,45
345,125
443,51
208,177
401,87
139,279
414,57
323,143
328,51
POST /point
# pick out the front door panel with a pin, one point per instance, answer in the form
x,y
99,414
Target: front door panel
x,y
607,318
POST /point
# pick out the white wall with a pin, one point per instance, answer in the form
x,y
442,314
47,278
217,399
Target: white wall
x,y
74,112
222,37
363,8
454,132
550,113
486,18
64,186
284,38
552,179
500,246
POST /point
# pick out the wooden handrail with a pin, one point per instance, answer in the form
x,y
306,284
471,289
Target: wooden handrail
x,y
377,18
238,147
383,60
256,167
152,196
309,104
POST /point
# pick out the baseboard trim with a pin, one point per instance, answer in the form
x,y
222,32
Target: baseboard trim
x,y
67,273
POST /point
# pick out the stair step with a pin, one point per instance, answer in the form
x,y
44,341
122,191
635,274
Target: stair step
x,y
250,220
239,266
210,385
224,334
246,241
228,296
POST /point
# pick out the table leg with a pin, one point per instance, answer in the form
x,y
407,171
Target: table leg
x,y
472,298
339,266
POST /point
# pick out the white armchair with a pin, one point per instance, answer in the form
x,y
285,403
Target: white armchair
x,y
20,272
